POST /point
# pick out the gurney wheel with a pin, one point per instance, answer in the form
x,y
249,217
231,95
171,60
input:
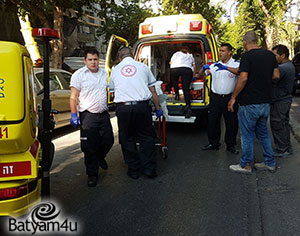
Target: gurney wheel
x,y
164,152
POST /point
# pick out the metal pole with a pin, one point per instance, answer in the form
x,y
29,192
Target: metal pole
x,y
47,132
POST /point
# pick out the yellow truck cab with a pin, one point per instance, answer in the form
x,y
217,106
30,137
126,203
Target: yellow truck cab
x,y
159,38
20,183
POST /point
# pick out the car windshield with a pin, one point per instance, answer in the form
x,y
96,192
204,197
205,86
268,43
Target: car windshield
x,y
67,77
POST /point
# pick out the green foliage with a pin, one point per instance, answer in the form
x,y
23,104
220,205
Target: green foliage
x,y
297,46
262,16
122,19
40,10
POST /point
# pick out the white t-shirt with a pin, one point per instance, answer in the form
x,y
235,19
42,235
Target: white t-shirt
x,y
223,81
180,59
92,89
130,80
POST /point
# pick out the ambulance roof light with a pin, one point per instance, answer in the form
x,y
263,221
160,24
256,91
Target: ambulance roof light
x,y
195,25
147,29
45,33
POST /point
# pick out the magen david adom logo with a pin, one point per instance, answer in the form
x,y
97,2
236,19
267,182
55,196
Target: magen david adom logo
x,y
128,70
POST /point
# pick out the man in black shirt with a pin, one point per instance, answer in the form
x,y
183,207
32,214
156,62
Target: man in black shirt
x,y
281,102
254,91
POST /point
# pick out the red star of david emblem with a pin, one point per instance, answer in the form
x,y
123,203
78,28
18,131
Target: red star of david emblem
x,y
128,71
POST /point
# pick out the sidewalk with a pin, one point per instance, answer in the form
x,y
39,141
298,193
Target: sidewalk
x,y
279,193
295,117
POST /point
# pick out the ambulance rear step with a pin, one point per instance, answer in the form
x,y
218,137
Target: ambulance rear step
x,y
178,119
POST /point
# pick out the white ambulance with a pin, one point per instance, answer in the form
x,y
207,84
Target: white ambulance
x,y
159,38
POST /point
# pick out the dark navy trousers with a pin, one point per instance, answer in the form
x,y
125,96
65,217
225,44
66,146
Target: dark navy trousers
x,y
135,126
96,138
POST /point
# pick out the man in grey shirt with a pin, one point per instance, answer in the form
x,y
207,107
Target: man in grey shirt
x,y
281,102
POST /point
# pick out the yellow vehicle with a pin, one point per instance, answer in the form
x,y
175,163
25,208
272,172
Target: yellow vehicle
x,y
159,38
20,181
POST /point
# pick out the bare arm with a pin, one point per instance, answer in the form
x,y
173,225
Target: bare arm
x,y
201,73
74,99
194,70
276,74
240,84
155,97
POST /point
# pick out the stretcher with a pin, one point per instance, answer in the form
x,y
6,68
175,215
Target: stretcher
x,y
162,139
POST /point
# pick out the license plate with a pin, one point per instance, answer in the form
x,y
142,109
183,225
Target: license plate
x,y
12,169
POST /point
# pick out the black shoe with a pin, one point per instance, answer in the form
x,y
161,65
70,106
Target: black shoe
x,y
103,164
150,173
188,112
177,97
134,174
232,150
210,147
92,181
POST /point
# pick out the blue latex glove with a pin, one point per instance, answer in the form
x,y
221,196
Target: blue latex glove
x,y
194,78
221,67
74,121
159,113
205,67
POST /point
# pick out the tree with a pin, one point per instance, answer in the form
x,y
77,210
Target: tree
x,y
49,14
263,16
10,25
122,19
289,36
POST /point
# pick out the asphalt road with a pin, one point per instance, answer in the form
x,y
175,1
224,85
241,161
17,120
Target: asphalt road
x,y
194,194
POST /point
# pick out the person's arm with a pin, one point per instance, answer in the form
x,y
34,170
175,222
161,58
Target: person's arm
x,y
230,69
203,69
71,70
240,84
194,70
234,70
276,74
74,120
74,99
155,97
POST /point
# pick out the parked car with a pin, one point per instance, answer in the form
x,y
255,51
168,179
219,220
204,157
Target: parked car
x,y
59,82
296,62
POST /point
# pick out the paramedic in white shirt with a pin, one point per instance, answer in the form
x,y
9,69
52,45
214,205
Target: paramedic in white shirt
x,y
182,64
89,93
224,75
133,85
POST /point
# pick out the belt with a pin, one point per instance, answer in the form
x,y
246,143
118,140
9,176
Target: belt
x,y
99,113
222,95
133,103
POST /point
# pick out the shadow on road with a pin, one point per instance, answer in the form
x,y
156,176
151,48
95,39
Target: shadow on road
x,y
57,133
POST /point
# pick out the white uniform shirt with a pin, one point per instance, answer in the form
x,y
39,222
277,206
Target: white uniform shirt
x,y
180,59
130,80
223,81
92,88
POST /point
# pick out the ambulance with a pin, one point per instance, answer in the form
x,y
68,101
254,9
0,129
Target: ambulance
x,y
20,150
159,38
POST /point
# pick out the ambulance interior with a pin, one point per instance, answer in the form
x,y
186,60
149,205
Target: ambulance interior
x,y
157,56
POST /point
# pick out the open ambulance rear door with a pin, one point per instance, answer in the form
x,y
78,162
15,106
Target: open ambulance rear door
x,y
112,58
